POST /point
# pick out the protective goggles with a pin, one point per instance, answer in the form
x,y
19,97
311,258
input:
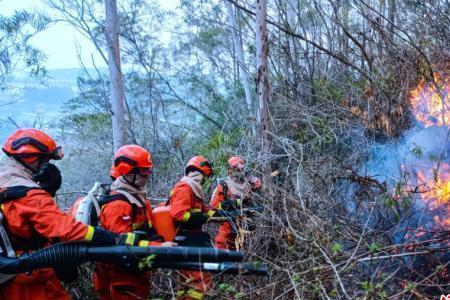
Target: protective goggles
x,y
133,163
207,164
142,171
56,154
238,167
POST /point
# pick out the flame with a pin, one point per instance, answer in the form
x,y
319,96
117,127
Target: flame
x,y
434,189
430,102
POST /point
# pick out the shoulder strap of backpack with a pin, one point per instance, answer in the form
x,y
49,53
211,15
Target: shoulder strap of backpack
x,y
118,197
6,195
170,197
224,185
15,192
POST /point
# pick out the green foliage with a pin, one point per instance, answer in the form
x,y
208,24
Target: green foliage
x,y
324,90
398,188
211,38
374,246
409,286
319,135
417,152
96,120
433,157
366,285
220,146
333,293
336,248
230,291
374,291
147,262
16,50
390,205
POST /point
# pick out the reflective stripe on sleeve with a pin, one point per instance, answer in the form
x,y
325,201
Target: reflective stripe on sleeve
x,y
144,243
130,239
186,217
89,234
136,226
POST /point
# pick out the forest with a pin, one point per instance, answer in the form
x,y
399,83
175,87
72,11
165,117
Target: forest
x,y
341,107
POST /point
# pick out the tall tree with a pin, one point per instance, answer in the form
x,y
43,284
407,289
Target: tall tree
x,y
242,66
116,82
262,86
17,52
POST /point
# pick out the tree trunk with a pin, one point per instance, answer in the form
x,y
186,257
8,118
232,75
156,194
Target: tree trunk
x,y
115,73
242,66
392,9
263,89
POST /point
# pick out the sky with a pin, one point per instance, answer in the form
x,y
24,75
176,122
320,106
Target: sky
x,y
59,42
30,101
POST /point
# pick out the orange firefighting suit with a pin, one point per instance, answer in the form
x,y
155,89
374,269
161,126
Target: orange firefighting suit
x,y
125,213
188,211
33,222
228,195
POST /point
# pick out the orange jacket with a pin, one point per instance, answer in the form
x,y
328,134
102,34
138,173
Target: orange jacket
x,y
37,215
120,217
183,203
225,238
32,221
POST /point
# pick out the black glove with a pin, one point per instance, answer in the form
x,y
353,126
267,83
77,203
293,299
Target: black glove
x,y
49,178
230,205
149,234
102,236
196,220
128,239
231,214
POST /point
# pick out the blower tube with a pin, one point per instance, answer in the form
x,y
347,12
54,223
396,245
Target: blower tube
x,y
78,253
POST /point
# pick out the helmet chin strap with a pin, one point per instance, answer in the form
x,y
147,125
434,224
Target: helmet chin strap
x,y
133,182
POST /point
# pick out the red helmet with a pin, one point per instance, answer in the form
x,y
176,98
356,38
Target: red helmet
x,y
113,173
236,162
200,163
131,158
29,144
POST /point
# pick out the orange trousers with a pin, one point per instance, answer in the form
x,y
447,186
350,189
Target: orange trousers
x,y
194,283
39,285
226,237
113,283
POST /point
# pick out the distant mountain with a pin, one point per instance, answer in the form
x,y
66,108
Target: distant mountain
x,y
29,101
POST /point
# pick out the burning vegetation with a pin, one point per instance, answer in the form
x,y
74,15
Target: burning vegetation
x,y
425,182
430,101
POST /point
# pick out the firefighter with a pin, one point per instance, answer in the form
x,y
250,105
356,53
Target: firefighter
x,y
127,209
32,219
230,194
189,213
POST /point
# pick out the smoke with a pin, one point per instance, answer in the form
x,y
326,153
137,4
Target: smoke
x,y
420,148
